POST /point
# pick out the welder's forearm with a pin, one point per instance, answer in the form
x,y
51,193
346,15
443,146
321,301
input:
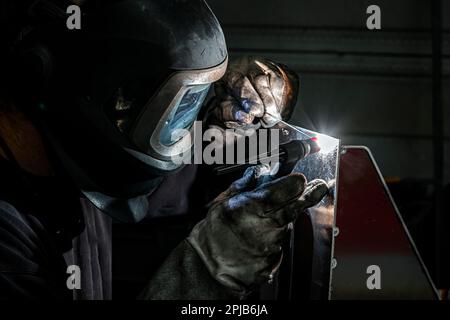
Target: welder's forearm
x,y
183,276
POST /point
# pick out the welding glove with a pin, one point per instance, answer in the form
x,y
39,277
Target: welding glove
x,y
240,239
254,92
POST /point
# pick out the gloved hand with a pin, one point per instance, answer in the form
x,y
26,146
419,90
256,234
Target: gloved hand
x,y
240,239
253,92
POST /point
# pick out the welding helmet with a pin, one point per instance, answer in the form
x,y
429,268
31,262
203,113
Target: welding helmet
x,y
110,95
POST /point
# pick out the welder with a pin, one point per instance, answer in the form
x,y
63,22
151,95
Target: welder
x,y
86,127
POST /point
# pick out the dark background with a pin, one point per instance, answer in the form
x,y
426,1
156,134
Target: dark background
x,y
372,88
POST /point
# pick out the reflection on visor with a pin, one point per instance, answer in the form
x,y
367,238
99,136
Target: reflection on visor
x,y
184,113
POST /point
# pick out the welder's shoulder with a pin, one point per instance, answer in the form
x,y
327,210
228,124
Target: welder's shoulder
x,y
23,254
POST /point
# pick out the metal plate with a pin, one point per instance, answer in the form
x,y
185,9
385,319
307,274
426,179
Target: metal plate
x,y
374,255
310,245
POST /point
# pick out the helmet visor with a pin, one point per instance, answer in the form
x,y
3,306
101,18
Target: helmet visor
x,y
184,113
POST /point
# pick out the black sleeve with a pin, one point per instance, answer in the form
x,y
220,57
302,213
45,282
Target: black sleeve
x,y
30,266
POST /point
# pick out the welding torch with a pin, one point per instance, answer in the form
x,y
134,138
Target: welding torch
x,y
295,144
